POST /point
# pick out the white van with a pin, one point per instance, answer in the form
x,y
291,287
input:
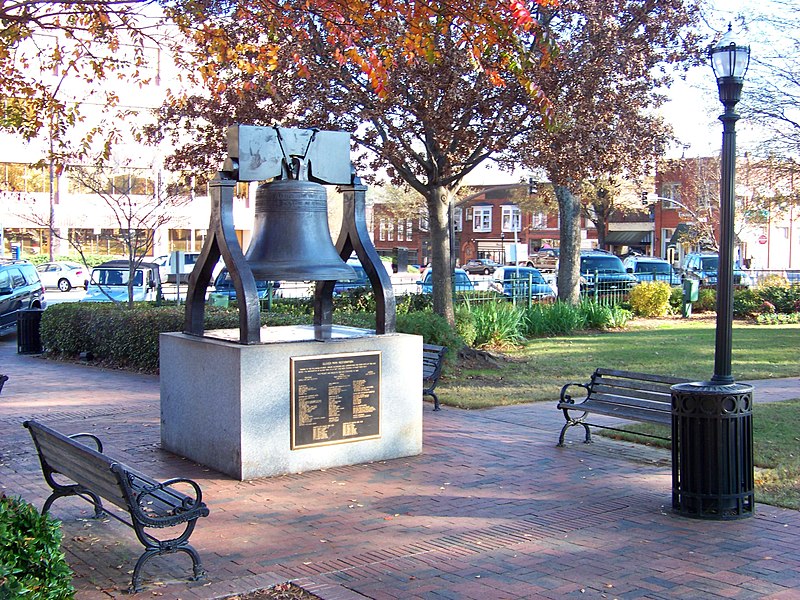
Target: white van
x,y
109,282
169,266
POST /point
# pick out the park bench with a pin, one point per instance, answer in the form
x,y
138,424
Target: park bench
x,y
622,394
432,361
150,504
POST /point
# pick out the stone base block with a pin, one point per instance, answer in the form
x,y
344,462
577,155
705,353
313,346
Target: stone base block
x,y
228,405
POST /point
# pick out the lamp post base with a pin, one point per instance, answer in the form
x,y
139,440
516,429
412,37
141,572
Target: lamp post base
x,y
712,450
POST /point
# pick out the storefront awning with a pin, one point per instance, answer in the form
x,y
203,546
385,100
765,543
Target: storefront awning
x,y
681,231
629,238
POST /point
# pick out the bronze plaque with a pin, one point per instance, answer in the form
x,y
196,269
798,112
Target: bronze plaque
x,y
335,398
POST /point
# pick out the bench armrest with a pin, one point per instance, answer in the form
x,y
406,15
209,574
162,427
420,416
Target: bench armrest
x,y
565,397
98,444
187,503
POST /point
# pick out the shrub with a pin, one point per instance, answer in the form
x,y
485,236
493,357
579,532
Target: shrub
x,y
676,300
650,298
777,319
32,565
745,303
552,319
706,300
128,338
465,325
497,324
619,316
596,315
784,299
433,328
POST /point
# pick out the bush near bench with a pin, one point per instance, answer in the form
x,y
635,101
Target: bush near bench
x,y
32,565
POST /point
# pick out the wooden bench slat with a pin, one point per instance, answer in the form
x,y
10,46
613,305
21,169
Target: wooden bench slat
x,y
629,384
671,380
646,402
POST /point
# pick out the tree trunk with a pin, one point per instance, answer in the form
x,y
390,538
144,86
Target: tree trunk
x,y
438,200
601,225
569,257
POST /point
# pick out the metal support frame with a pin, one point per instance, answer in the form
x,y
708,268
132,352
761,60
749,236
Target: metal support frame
x,y
354,236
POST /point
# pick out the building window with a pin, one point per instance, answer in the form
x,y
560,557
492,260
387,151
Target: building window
x,y
409,229
423,224
670,191
511,218
382,230
401,230
19,177
482,218
390,231
539,220
457,217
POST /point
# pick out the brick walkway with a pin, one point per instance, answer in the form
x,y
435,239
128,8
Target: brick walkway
x,y
489,510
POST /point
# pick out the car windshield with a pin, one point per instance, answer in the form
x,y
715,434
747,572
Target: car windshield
x,y
653,267
605,264
710,263
116,277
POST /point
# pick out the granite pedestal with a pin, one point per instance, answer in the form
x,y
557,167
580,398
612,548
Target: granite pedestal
x,y
227,405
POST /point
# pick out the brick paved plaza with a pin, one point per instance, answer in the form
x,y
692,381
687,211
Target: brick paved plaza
x,y
491,509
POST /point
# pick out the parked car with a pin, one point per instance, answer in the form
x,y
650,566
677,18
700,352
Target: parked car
x,y
20,289
223,286
703,266
63,275
522,282
360,281
109,282
649,268
606,270
460,277
480,265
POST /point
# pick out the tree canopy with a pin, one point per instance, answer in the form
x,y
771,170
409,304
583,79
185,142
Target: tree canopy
x,y
607,80
53,55
428,89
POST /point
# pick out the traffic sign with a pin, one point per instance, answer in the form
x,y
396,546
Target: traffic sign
x,y
762,239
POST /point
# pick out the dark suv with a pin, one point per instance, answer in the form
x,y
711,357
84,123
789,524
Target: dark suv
x,y
606,270
20,288
702,267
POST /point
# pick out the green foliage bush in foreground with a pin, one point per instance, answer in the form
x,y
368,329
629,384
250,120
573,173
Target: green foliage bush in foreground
x,y
32,565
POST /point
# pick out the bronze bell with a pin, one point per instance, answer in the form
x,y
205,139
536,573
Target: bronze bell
x,y
291,238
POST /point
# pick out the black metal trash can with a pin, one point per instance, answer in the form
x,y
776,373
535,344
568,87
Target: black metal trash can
x,y
28,339
712,451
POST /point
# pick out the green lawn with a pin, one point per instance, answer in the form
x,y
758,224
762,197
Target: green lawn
x,y
537,371
684,348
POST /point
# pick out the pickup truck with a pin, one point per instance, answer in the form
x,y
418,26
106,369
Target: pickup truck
x,y
544,260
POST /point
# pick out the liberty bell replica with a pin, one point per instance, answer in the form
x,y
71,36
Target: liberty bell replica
x,y
291,240
291,237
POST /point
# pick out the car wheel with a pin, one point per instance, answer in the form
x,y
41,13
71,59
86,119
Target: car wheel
x,y
64,285
486,271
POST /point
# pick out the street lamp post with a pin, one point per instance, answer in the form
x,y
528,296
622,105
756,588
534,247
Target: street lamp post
x,y
712,445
